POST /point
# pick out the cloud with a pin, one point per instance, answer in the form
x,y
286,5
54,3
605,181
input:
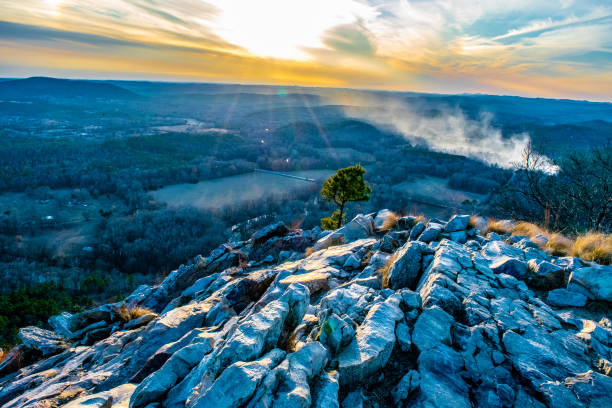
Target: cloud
x,y
512,47
350,39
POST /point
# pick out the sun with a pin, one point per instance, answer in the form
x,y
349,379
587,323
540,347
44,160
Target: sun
x,y
284,29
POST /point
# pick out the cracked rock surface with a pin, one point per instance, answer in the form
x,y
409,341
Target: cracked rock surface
x,y
422,315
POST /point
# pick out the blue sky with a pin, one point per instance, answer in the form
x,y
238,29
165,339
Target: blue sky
x,y
550,48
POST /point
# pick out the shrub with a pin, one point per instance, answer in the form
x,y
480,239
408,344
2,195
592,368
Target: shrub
x,y
595,247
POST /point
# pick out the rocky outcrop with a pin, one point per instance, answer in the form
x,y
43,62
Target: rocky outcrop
x,y
422,314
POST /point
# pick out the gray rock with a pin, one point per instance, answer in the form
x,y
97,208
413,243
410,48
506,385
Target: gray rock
x,y
382,218
373,344
406,386
45,341
404,271
457,223
63,324
336,332
441,384
176,368
430,233
509,266
540,356
388,244
402,333
140,321
591,388
287,385
432,328
117,397
458,236
418,228
325,390
358,228
238,382
595,282
543,268
497,249
273,230
564,297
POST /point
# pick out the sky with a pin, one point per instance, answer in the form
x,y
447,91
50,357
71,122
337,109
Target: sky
x,y
542,48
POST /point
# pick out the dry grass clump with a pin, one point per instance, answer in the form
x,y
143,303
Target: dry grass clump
x,y
309,251
421,218
390,222
498,226
594,247
127,313
528,229
559,245
384,271
478,222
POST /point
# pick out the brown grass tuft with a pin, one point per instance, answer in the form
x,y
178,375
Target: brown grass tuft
x,y
384,271
420,218
309,251
498,226
528,229
594,247
390,222
137,311
127,313
559,245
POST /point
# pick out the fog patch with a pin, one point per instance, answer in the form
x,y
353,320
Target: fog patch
x,y
441,128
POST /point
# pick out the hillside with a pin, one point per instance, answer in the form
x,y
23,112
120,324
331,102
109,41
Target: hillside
x,y
41,87
426,314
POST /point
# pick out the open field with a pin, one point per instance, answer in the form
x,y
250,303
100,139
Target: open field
x,y
234,190
436,190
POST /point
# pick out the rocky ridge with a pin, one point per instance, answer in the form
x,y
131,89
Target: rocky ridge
x,y
426,314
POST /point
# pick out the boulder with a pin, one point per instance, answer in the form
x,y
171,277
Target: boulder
x,y
287,385
417,230
540,356
45,341
457,223
402,334
564,297
406,386
325,390
509,266
238,382
440,383
336,332
595,282
404,271
430,233
273,230
543,268
117,397
358,228
384,219
372,346
458,236
433,327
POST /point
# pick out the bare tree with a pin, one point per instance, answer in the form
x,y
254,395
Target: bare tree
x,y
573,192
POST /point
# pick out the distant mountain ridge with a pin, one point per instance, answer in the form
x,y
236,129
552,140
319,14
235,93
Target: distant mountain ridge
x,y
36,87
